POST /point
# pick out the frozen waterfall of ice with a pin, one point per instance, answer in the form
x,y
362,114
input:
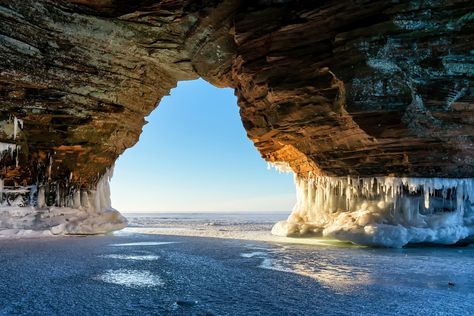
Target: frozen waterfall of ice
x,y
382,211
24,212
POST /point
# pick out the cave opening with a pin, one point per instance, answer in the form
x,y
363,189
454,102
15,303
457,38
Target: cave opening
x,y
194,156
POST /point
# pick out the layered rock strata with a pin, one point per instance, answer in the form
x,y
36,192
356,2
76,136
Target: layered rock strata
x,y
366,89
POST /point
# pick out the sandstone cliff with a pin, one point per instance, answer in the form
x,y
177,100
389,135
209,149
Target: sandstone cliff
x,y
337,88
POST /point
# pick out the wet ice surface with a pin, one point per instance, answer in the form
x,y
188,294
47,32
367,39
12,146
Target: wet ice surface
x,y
149,274
348,270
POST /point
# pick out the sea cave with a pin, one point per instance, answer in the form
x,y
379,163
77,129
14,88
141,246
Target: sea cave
x,y
369,104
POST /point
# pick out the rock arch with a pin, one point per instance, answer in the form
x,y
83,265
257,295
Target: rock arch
x,y
336,88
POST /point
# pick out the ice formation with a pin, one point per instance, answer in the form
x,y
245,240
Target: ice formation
x,y
382,211
280,166
7,149
17,124
25,211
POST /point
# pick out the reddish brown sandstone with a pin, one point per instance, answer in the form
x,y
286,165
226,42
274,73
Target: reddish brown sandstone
x,y
364,88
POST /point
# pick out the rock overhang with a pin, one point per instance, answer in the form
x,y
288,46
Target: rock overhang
x,y
332,89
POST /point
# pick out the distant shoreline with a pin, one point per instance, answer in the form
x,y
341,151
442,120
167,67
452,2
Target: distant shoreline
x,y
204,212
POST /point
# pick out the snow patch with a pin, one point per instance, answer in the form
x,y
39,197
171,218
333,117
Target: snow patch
x,y
145,243
130,278
131,257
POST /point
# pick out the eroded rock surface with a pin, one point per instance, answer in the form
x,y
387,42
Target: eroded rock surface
x,y
360,89
334,88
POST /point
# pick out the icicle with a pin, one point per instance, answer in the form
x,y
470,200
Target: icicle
x,y
85,200
50,165
33,191
16,158
427,198
1,191
58,196
459,198
15,127
17,123
77,199
41,201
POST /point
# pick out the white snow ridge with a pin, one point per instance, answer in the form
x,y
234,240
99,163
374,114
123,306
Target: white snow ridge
x,y
382,211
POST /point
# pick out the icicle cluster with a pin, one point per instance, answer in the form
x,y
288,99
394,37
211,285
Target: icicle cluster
x,y
91,200
73,211
385,211
11,149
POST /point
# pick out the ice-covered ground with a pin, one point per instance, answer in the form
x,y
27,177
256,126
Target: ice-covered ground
x,y
338,265
165,272
250,226
244,226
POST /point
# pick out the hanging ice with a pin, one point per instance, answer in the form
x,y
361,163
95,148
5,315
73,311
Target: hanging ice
x,y
386,211
17,123
280,166
6,148
29,210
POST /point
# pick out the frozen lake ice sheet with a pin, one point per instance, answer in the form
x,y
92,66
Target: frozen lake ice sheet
x,y
209,276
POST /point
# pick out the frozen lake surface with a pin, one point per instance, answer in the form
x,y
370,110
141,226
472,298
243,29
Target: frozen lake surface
x,y
144,271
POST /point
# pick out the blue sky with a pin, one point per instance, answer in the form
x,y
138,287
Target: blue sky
x,y
194,155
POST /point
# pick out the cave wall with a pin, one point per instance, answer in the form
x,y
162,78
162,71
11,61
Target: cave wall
x,y
82,80
360,88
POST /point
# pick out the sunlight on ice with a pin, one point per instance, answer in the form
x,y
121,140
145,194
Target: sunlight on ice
x,y
130,278
144,243
336,276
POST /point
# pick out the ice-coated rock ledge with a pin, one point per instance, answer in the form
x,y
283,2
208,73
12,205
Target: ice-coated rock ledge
x,y
24,211
383,211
